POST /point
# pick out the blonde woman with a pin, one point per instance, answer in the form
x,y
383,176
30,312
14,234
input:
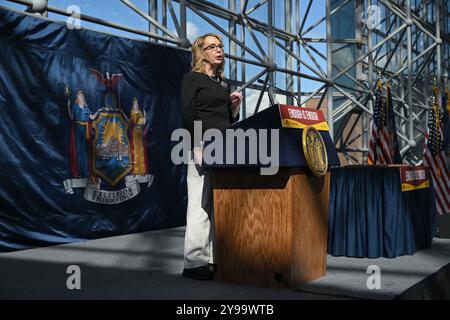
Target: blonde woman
x,y
205,97
137,135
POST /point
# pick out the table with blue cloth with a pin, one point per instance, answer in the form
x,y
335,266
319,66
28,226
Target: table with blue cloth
x,y
370,216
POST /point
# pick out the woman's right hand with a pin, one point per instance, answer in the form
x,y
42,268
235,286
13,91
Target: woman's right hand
x,y
198,155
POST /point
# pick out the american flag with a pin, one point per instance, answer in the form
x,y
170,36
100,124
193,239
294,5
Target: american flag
x,y
434,158
383,144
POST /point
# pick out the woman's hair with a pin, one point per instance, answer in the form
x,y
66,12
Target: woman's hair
x,y
197,55
80,94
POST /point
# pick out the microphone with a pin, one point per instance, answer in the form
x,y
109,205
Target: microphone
x,y
273,86
271,99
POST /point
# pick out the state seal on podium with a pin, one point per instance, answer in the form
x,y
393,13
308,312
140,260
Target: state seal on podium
x,y
315,151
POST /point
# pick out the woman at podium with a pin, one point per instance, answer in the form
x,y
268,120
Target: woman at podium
x,y
207,99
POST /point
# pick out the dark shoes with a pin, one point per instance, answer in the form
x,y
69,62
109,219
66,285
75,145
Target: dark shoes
x,y
199,273
212,267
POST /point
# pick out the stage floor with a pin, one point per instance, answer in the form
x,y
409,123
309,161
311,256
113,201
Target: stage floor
x,y
148,266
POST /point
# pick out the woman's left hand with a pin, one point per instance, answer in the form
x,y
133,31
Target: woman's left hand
x,y
236,99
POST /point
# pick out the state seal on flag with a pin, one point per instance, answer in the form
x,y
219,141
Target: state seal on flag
x,y
315,151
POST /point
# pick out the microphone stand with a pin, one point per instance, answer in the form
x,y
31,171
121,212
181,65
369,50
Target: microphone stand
x,y
271,98
272,101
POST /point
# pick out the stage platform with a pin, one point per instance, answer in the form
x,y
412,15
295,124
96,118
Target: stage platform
x,y
148,266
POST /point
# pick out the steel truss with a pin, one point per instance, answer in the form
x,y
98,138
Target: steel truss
x,y
409,47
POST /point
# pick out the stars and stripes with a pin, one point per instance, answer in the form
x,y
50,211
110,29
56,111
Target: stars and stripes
x,y
434,157
383,145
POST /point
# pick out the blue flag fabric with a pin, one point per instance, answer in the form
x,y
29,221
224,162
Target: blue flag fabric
x,y
445,121
391,127
85,134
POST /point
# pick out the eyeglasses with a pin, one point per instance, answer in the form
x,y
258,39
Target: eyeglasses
x,y
214,47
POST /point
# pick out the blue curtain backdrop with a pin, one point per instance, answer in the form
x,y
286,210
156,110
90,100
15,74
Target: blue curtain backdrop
x,y
38,59
370,216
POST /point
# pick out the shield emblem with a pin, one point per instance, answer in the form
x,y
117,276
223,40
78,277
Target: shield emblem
x,y
111,146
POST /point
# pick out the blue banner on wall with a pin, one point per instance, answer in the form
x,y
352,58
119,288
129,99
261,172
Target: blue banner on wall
x,y
85,134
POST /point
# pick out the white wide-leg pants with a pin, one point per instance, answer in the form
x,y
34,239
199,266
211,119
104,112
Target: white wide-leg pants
x,y
198,243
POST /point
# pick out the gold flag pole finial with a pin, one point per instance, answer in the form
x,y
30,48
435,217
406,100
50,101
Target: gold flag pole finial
x,y
432,100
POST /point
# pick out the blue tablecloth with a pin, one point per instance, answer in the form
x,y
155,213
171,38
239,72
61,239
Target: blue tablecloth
x,y
370,216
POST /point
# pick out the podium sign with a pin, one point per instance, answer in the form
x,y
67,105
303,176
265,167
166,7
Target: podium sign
x,y
300,118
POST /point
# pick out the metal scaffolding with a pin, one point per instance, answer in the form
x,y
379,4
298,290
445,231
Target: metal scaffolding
x,y
323,53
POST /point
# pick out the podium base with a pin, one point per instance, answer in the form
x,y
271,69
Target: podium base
x,y
270,230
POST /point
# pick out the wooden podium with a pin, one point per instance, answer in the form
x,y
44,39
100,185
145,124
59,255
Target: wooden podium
x,y
271,230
